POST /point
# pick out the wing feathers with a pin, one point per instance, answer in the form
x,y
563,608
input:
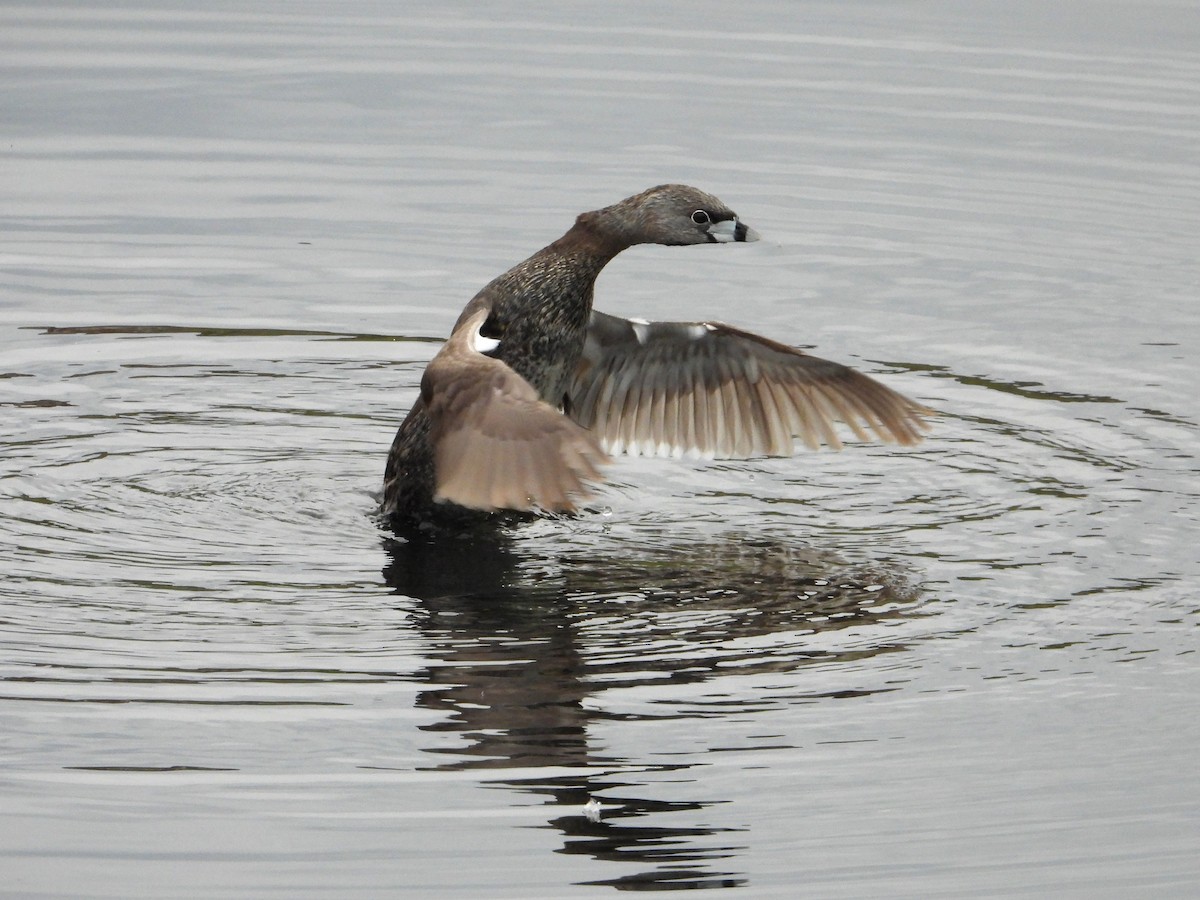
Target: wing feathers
x,y
706,389
496,444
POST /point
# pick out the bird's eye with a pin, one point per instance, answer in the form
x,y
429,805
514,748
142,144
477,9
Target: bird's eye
x,y
700,217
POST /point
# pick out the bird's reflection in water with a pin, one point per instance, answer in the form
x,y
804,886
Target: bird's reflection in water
x,y
525,626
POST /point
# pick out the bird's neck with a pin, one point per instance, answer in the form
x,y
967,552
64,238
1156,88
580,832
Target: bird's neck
x,y
591,242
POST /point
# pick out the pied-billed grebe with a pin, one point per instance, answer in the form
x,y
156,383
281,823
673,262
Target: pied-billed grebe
x,y
520,408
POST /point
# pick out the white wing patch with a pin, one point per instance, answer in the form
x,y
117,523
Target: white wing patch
x,y
481,344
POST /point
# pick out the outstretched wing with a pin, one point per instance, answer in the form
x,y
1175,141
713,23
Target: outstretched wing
x,y
496,444
709,390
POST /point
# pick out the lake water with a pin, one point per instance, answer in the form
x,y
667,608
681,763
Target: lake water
x,y
231,236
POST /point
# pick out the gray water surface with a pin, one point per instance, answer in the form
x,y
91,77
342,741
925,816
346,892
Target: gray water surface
x,y
231,237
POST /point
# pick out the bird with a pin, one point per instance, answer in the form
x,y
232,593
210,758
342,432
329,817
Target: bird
x,y
534,390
